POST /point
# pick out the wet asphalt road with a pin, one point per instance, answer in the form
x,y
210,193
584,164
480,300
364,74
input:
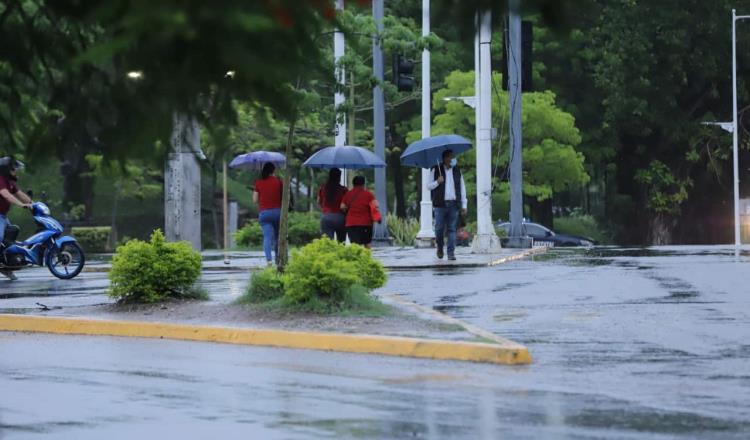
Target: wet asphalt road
x,y
626,343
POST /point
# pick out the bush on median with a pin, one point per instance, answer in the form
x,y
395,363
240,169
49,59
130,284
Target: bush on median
x,y
154,271
323,276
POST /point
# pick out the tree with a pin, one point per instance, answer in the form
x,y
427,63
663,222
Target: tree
x,y
551,161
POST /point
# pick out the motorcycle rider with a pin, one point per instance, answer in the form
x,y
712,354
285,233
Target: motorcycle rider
x,y
10,194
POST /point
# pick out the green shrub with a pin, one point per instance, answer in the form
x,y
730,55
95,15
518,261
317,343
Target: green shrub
x,y
265,285
93,239
249,235
404,231
370,271
303,228
583,225
154,271
326,269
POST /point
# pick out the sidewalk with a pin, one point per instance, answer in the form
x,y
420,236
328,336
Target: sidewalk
x,y
393,258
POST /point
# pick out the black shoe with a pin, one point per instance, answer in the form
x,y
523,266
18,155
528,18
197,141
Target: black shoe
x,y
440,253
451,257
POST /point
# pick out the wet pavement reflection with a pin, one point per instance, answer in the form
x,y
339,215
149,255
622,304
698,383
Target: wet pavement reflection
x,y
627,344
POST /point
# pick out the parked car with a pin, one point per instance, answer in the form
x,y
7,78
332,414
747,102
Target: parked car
x,y
543,236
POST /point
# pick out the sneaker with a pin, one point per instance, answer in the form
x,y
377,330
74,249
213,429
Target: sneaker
x,y
440,253
452,257
9,274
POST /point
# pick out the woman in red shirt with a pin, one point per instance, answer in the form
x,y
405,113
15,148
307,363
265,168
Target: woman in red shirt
x,y
357,203
267,195
330,196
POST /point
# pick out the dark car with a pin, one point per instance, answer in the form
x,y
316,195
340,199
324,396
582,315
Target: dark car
x,y
544,237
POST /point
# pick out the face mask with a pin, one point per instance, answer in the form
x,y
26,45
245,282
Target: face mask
x,y
454,162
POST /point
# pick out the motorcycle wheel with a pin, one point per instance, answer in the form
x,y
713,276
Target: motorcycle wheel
x,y
67,262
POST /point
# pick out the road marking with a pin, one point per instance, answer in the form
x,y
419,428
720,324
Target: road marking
x,y
350,343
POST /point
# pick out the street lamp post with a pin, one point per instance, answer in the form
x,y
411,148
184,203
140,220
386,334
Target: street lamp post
x,y
735,134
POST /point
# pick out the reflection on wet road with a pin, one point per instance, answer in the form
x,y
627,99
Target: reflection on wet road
x,y
627,344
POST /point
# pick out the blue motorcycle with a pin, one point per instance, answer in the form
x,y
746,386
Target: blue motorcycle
x,y
48,247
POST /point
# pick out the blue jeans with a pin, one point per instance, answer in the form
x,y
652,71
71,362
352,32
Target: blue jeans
x,y
446,219
4,223
269,222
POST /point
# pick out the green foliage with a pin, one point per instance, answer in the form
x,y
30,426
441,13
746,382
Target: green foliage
x,y
154,271
249,235
303,228
551,161
266,285
403,230
93,239
326,269
665,191
582,225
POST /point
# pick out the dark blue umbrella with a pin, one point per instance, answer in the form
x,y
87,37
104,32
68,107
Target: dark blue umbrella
x,y
254,161
352,158
428,152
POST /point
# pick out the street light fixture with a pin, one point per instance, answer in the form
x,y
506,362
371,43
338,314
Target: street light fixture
x,y
735,134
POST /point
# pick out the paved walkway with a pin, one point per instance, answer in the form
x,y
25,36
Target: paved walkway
x,y
393,258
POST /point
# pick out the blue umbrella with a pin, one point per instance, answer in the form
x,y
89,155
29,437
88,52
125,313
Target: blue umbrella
x,y
428,152
254,161
352,158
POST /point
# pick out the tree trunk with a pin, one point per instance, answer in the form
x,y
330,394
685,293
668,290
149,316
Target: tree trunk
x,y
113,223
541,212
282,256
398,175
660,230
310,203
78,183
214,213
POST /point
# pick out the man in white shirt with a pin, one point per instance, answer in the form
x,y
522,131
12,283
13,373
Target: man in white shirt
x,y
448,190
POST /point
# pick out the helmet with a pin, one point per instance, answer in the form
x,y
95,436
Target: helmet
x,y
9,163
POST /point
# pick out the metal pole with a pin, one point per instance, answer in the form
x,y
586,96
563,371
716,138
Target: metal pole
x,y
381,230
735,136
225,206
516,234
486,241
426,232
338,98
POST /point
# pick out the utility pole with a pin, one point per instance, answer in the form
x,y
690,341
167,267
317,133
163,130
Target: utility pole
x,y
182,183
486,241
426,233
381,230
338,97
516,237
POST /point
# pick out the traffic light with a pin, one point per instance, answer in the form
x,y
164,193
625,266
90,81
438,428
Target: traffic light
x,y
527,44
403,70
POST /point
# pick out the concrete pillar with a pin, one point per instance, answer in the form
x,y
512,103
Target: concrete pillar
x,y
233,221
182,184
486,241
426,234
516,236
338,97
381,230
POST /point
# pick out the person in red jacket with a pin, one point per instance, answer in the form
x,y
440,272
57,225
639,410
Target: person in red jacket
x,y
330,195
356,204
267,195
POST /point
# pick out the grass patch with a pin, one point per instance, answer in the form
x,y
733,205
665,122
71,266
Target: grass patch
x,y
355,301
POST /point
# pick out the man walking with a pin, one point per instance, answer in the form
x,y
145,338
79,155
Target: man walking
x,y
448,190
9,194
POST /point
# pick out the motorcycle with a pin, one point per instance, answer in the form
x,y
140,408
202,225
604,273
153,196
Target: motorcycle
x,y
48,247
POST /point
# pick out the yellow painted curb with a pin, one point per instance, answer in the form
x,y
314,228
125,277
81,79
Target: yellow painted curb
x,y
350,343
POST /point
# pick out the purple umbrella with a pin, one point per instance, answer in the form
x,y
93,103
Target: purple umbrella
x,y
254,161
